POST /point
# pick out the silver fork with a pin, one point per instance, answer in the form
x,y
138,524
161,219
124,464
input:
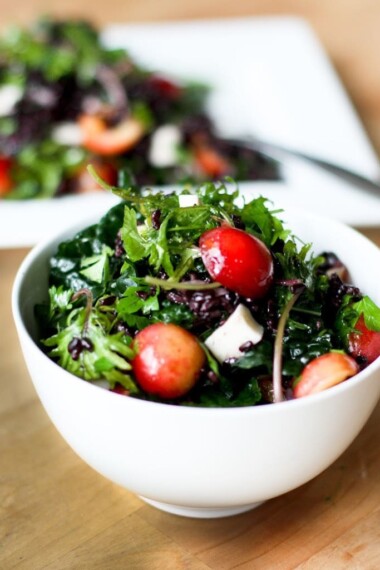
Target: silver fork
x,y
269,149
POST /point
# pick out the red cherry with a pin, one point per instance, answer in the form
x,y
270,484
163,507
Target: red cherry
x,y
169,360
364,344
238,260
323,372
5,176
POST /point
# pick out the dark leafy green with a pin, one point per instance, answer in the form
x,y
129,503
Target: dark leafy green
x,y
141,265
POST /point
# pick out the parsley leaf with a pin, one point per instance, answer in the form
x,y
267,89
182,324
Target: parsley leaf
x,y
131,302
135,246
96,267
370,312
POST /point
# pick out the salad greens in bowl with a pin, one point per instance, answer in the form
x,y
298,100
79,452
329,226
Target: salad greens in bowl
x,y
202,348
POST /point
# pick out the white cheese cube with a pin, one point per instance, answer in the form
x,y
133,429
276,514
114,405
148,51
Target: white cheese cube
x,y
239,328
188,200
68,134
9,96
163,146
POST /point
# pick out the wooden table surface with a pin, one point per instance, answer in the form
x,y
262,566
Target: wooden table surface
x,y
57,513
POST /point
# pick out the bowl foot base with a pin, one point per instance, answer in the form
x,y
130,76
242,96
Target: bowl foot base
x,y
201,512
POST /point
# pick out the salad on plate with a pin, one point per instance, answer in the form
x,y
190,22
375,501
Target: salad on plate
x,y
203,298
67,101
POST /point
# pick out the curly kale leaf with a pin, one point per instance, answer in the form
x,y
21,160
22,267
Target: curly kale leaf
x,y
219,396
258,359
86,260
302,346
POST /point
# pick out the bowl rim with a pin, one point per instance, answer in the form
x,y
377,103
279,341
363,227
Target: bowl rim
x,y
334,391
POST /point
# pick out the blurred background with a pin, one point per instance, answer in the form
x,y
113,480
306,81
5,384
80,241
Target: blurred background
x,y
348,30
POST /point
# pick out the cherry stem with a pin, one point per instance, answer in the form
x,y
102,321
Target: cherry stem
x,y
89,303
277,353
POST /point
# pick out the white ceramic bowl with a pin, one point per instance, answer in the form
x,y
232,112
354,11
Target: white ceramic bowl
x,y
204,462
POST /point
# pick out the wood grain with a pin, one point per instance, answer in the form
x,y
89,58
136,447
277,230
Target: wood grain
x,y
57,513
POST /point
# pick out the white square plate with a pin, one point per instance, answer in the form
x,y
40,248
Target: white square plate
x,y
270,78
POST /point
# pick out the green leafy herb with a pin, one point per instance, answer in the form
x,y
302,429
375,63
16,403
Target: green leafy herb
x,y
141,264
96,267
370,312
108,358
263,223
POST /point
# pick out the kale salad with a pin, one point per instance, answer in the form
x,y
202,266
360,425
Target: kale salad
x,y
66,101
203,298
